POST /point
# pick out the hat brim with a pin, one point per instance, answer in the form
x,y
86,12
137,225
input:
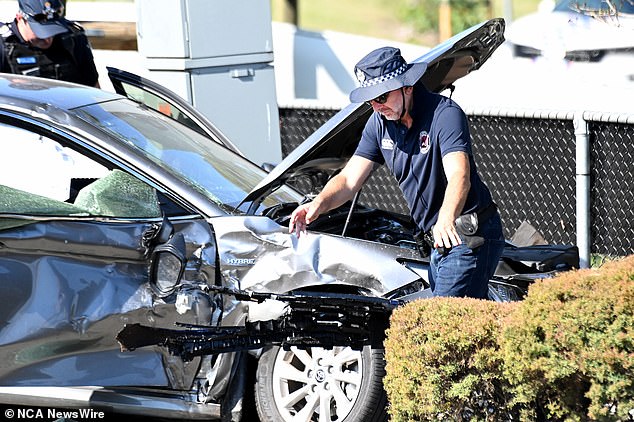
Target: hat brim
x,y
407,78
48,29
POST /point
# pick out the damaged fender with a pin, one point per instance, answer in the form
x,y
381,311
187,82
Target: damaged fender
x,y
260,255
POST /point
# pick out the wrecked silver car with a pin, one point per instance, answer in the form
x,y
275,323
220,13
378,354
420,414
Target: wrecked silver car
x,y
146,266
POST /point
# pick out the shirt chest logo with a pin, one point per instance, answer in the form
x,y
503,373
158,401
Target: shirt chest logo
x,y
424,142
387,143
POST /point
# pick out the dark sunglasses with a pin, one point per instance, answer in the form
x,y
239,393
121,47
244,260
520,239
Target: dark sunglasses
x,y
381,99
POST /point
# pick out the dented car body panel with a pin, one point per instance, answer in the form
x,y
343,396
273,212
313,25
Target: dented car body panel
x,y
91,296
71,284
264,257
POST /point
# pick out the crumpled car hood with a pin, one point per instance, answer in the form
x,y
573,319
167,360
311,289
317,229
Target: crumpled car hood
x,y
259,255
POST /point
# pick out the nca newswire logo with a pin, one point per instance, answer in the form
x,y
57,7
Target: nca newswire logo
x,y
53,414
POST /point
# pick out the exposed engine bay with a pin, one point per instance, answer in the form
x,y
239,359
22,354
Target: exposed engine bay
x,y
363,223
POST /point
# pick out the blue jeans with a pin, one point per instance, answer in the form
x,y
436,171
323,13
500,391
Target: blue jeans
x,y
463,272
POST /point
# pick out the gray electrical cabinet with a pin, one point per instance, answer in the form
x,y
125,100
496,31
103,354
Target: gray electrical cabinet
x,y
218,56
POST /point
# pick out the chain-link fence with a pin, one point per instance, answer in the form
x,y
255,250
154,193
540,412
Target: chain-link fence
x,y
612,195
529,165
529,161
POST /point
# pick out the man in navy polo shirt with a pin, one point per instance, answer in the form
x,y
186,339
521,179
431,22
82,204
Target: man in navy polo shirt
x,y
424,140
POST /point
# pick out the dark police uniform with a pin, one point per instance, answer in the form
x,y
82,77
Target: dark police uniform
x,y
415,156
69,58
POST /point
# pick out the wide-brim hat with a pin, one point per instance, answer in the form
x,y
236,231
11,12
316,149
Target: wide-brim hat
x,y
384,70
45,17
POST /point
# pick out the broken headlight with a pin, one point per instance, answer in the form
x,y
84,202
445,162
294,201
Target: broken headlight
x,y
167,265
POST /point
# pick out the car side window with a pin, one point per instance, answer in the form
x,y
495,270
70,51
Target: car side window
x,y
119,195
39,176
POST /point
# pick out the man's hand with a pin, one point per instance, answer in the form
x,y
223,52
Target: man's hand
x,y
445,233
303,216
338,190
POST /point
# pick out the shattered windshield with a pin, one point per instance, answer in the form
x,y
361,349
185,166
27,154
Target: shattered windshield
x,y
222,176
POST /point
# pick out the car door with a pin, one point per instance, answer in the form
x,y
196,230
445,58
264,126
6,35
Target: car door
x,y
80,240
159,98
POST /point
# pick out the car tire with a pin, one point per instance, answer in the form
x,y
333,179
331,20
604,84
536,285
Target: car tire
x,y
292,384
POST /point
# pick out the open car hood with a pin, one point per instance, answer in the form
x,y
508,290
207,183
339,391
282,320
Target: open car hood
x,y
329,148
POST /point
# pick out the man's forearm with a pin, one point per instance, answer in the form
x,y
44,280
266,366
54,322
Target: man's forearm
x,y
455,197
458,184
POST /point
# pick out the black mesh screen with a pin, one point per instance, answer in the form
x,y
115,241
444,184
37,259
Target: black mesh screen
x,y
297,124
612,190
529,165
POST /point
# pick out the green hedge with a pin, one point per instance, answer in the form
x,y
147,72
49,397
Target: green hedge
x,y
442,359
564,353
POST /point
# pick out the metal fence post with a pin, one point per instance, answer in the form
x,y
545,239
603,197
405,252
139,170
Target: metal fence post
x,y
582,154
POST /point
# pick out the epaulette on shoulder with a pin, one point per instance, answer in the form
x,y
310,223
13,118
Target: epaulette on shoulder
x,y
5,31
74,26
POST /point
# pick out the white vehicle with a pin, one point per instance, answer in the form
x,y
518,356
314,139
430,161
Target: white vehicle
x,y
575,30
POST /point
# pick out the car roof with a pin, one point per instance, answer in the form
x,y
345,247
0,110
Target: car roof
x,y
22,90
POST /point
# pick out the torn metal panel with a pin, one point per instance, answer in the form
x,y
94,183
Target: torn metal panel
x,y
69,286
119,240
93,270
70,338
263,256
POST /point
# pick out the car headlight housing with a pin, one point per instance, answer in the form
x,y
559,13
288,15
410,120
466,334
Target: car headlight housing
x,y
167,265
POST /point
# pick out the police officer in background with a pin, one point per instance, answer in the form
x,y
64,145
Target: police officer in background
x,y
41,42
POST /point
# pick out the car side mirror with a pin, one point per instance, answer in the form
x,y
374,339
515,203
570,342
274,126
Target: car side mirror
x,y
167,265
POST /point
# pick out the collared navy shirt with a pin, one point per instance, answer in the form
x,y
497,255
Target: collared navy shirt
x,y
414,156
